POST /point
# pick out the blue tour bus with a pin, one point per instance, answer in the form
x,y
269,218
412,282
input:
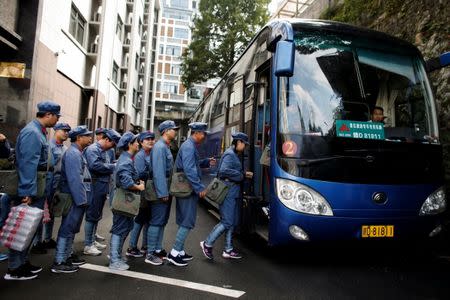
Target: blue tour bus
x,y
349,119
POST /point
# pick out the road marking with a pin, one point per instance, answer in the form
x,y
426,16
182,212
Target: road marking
x,y
171,281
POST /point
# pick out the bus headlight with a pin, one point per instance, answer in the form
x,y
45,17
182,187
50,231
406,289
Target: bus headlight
x,y
301,198
435,203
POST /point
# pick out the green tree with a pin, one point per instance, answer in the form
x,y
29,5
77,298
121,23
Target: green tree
x,y
220,34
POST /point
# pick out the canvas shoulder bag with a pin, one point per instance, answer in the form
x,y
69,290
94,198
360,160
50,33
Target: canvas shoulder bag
x,y
217,190
126,202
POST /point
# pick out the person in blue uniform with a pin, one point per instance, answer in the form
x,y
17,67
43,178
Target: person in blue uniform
x,y
57,149
127,178
100,133
101,170
142,163
31,156
231,172
162,166
76,181
188,161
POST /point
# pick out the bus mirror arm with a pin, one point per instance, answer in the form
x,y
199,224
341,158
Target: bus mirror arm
x,y
437,63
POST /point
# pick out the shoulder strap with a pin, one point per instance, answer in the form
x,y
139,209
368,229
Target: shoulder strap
x,y
49,153
220,164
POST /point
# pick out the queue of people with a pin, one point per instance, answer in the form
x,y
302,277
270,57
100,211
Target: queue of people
x,y
86,174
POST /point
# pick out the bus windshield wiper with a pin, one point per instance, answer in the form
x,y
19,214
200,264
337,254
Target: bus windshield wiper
x,y
307,162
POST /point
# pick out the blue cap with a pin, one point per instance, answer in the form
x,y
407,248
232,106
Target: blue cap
x,y
168,124
146,135
100,130
240,136
198,126
50,107
62,126
79,130
126,138
112,135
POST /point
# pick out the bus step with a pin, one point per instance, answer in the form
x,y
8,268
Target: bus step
x,y
262,231
214,213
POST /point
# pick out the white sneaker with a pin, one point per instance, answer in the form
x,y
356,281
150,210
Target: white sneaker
x,y
99,246
92,250
99,238
119,266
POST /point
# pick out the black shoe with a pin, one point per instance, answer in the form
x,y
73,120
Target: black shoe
x,y
20,273
33,269
50,244
186,257
176,260
161,254
39,248
64,267
75,260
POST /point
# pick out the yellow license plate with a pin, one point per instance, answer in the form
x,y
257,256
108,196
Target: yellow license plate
x,y
377,231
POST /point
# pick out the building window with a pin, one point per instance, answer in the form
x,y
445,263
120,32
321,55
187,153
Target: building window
x,y
136,61
140,27
158,86
173,50
178,16
161,49
181,33
119,27
195,93
175,69
180,3
77,25
115,73
194,4
134,96
170,87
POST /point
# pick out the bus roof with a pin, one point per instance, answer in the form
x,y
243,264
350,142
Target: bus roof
x,y
347,29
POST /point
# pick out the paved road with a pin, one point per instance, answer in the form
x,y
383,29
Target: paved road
x,y
325,271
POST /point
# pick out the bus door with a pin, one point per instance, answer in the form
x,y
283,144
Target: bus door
x,y
256,191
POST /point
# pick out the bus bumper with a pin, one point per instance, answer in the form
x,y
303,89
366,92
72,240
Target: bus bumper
x,y
328,228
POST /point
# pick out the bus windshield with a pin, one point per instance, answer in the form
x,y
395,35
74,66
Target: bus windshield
x,y
349,98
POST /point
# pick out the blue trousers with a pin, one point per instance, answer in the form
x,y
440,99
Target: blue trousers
x,y
70,224
217,231
159,213
100,192
5,208
134,235
187,211
122,225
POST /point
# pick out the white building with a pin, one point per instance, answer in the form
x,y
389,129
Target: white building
x,y
96,58
172,99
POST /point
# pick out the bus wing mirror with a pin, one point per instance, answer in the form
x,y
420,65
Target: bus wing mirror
x,y
438,62
284,59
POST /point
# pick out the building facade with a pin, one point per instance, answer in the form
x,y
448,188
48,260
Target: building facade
x,y
96,58
18,19
172,100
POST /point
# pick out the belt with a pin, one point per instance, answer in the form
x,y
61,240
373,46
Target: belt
x,y
87,180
